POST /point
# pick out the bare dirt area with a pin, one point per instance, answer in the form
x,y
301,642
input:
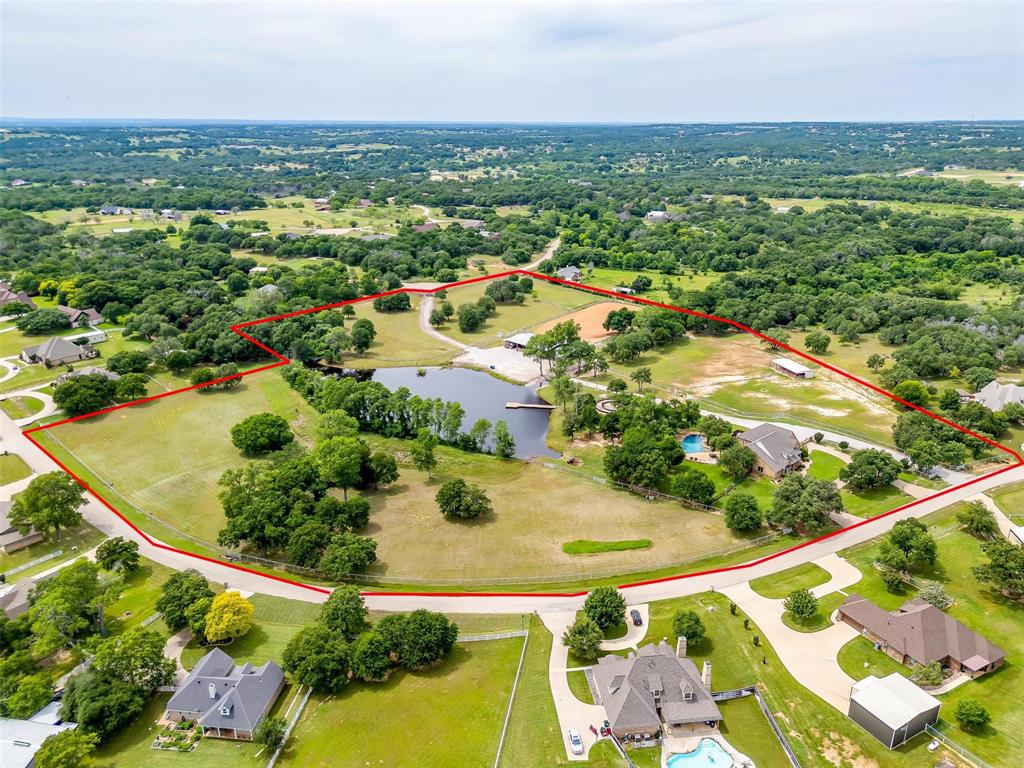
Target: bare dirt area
x,y
590,320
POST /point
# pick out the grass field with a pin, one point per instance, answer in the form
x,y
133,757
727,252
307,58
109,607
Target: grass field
x,y
858,658
1008,178
936,209
820,620
450,715
981,609
604,277
873,502
138,598
778,585
825,466
13,468
589,547
166,456
548,302
21,406
1010,499
579,686
399,340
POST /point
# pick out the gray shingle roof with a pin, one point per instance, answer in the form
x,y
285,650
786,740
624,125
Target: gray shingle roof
x,y
996,396
923,632
221,695
56,349
627,685
777,447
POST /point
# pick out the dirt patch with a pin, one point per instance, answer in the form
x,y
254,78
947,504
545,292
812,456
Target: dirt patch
x,y
590,320
839,750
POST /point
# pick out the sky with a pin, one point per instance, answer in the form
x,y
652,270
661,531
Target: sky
x,y
512,61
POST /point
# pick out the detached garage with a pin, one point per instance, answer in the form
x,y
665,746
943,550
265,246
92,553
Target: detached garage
x,y
892,709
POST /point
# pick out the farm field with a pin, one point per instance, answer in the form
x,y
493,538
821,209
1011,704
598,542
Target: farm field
x,y
1007,177
938,209
449,715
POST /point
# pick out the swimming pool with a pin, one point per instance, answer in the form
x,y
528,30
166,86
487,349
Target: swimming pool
x,y
708,753
694,444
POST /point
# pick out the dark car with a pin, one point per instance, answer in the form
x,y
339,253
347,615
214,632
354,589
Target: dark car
x,y
635,616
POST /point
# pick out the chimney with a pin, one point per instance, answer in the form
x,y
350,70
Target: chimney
x,y
705,674
213,691
681,647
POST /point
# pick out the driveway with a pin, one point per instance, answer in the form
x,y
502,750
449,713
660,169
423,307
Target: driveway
x,y
572,713
634,634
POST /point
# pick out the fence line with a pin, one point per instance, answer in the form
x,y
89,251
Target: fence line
x,y
952,746
32,563
515,685
493,636
767,712
288,730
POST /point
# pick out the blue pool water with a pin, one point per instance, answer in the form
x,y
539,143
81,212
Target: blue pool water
x,y
694,444
709,753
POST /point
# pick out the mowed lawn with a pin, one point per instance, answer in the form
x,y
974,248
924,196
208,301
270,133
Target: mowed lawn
x,y
873,502
979,608
166,456
548,302
825,466
450,715
778,585
536,510
399,340
13,468
1010,499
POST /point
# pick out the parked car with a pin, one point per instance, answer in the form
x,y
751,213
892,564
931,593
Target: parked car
x,y
636,617
575,742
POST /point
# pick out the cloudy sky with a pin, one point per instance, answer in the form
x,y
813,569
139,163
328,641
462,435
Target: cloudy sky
x,y
513,61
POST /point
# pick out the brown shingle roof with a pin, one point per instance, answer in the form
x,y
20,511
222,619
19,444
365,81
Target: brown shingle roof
x,y
923,632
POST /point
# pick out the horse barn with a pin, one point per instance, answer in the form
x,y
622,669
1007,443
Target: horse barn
x,y
792,368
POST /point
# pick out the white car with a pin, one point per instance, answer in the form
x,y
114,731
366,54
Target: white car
x,y
575,742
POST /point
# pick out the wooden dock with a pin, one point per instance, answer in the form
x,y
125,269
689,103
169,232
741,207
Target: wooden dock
x,y
539,406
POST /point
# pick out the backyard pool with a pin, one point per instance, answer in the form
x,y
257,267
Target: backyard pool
x,y
694,443
708,753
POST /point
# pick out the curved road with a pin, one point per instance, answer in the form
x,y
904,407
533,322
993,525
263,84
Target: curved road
x,y
102,517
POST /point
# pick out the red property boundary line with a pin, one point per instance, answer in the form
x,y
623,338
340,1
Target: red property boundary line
x,y
282,360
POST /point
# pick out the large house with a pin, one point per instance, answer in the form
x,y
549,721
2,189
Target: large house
x,y
57,351
21,739
919,633
654,689
9,296
996,396
571,273
81,316
11,539
776,449
892,709
228,701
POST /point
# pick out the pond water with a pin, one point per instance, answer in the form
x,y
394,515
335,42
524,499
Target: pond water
x,y
483,397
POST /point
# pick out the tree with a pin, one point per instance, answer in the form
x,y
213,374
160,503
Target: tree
x,y
693,485
929,674
459,500
118,554
336,424
371,659
978,377
50,502
912,391
307,543
737,462
742,512
427,637
817,342
925,453
479,432
583,638
907,545
971,716
229,617
85,394
383,469
871,468
101,705
804,503
363,332
42,321
504,443
422,451
1005,569
345,612
131,386
319,658
876,362
201,376
340,461
66,749
128,361
270,733
605,606
933,592
65,606
347,554
178,592
641,376
801,603
261,433
31,693
137,658
688,624
978,520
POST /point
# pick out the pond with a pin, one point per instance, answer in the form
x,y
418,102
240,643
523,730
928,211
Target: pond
x,y
483,397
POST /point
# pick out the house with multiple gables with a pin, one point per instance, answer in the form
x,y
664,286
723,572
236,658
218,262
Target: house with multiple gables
x,y
80,316
9,296
777,450
57,351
